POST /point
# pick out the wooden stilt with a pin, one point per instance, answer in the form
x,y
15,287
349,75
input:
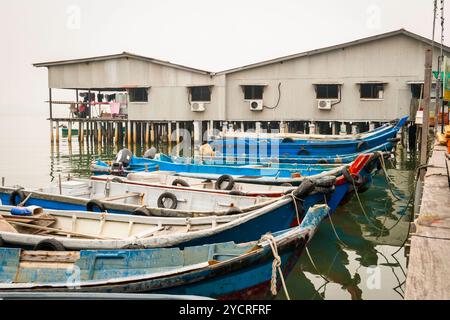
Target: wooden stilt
x,y
129,134
51,131
69,134
57,132
81,133
152,133
135,132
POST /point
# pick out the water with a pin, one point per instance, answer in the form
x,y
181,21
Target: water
x,y
352,255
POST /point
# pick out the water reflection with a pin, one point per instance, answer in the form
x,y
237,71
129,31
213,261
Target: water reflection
x,y
354,256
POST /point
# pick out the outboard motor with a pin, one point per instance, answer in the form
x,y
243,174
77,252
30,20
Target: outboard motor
x,y
150,153
123,159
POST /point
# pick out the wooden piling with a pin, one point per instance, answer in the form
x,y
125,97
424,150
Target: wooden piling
x,y
152,134
69,134
81,133
134,132
99,133
129,133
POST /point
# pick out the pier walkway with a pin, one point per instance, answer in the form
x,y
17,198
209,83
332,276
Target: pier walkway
x,y
429,262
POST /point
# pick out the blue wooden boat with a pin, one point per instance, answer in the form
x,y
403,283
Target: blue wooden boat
x,y
293,145
286,162
78,230
188,165
221,270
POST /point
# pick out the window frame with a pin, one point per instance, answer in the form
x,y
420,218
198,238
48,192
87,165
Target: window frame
x,y
339,91
245,86
131,95
374,84
200,101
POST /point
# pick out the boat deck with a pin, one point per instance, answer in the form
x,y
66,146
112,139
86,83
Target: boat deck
x,y
429,271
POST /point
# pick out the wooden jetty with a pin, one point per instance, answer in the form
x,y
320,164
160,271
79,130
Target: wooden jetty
x,y
429,260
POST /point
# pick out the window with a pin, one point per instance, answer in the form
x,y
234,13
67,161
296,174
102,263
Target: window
x,y
138,95
417,91
201,94
327,91
372,90
253,92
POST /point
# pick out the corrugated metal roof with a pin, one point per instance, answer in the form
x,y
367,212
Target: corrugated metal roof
x,y
335,47
119,56
251,66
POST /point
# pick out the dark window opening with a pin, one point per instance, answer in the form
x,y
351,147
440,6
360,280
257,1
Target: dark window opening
x,y
372,91
253,92
327,91
138,95
417,91
200,94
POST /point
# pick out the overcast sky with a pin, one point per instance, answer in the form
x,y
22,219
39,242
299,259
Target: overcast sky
x,y
207,34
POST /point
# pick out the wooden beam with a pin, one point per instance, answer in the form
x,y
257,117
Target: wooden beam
x,y
426,111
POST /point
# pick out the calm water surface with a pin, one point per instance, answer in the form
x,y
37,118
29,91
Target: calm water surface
x,y
352,256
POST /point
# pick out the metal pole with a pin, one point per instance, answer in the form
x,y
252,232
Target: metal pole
x,y
426,110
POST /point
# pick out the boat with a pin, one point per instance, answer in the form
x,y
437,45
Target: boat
x,y
214,184
221,270
293,145
182,164
61,230
116,197
287,161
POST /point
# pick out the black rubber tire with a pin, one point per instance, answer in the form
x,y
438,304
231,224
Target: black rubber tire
x,y
180,183
223,179
16,193
306,187
362,145
303,152
326,182
357,178
95,204
117,180
287,140
326,190
142,212
347,175
236,193
49,245
363,188
167,195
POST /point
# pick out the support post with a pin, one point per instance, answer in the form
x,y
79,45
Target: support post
x,y
81,132
129,134
57,132
426,111
69,133
152,133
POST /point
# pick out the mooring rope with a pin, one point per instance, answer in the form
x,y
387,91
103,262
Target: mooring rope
x,y
276,265
389,181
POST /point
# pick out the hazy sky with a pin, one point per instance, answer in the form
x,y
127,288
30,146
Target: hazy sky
x,y
207,34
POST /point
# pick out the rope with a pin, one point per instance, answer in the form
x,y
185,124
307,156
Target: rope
x,y
294,199
276,265
388,178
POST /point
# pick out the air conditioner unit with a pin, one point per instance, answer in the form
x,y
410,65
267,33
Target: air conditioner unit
x,y
256,105
324,104
197,106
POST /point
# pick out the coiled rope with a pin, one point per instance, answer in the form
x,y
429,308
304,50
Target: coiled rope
x,y
276,265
